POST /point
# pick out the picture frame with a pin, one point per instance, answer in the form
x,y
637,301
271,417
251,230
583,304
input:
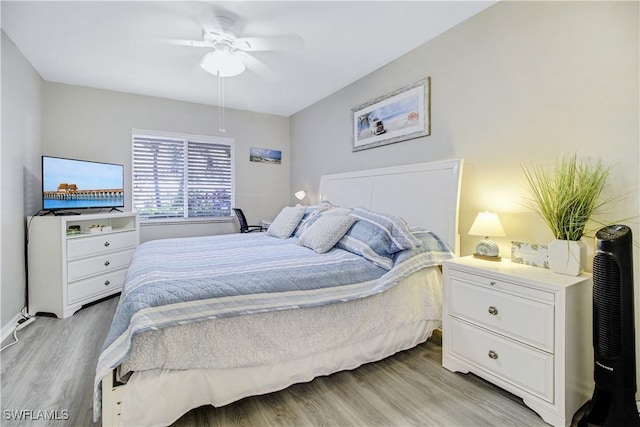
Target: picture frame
x,y
530,254
265,155
397,116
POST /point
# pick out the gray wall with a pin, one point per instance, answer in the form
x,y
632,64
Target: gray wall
x,y
20,175
520,81
93,124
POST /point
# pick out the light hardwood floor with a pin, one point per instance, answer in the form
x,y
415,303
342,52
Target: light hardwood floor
x,y
52,369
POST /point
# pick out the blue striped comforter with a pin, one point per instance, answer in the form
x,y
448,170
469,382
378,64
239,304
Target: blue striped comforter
x,y
176,281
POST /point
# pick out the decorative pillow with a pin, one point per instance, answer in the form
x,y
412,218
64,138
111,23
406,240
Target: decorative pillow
x,y
286,221
325,232
338,211
433,251
377,236
312,213
308,210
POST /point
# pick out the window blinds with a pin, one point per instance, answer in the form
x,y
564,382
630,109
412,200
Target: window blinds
x,y
181,178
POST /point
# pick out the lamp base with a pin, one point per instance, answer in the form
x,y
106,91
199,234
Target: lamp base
x,y
487,257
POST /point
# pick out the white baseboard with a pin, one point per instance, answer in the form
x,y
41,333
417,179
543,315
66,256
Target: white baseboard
x,y
7,329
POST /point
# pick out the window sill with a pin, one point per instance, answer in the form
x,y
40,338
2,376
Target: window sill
x,y
184,221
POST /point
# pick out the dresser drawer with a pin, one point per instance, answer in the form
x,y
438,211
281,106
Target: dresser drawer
x,y
527,368
98,265
104,283
520,318
85,246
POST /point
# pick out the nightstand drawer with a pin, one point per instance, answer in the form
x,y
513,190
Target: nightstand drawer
x,y
489,282
527,368
519,318
98,265
84,289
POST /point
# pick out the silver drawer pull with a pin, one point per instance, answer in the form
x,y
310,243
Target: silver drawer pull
x,y
106,244
107,283
493,355
493,311
106,263
492,283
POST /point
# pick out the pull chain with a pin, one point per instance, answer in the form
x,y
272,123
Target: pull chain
x,y
221,104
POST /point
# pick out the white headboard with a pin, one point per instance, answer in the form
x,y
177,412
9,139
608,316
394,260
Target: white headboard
x,y
424,194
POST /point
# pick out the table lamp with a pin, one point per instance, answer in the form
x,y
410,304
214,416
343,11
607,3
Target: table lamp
x,y
301,195
487,224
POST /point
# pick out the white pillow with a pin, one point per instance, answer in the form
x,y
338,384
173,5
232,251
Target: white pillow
x,y
286,221
325,232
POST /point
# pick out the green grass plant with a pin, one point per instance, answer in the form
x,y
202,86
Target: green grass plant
x,y
567,196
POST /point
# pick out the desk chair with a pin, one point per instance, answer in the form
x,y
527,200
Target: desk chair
x,y
244,228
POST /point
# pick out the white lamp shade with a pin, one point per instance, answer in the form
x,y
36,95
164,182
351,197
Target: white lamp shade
x,y
487,224
224,63
300,194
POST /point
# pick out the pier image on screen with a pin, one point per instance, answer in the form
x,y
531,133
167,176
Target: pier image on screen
x,y
69,183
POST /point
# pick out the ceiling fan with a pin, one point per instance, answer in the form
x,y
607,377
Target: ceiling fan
x,y
229,52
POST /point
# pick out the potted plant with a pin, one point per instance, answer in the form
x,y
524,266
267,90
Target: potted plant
x,y
567,197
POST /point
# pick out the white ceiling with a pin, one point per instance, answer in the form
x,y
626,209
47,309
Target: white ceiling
x,y
125,46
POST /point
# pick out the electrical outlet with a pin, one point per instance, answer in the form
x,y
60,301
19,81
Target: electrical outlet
x,y
25,323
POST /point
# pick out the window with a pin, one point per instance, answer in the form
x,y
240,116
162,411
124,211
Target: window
x,y
181,177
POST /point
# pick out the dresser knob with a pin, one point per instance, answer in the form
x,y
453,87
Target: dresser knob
x,y
493,311
106,263
492,283
106,244
493,355
107,283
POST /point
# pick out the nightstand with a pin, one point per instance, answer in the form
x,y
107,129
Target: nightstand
x,y
525,329
264,224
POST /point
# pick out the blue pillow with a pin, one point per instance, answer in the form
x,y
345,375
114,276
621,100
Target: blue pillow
x,y
377,237
311,214
307,213
434,251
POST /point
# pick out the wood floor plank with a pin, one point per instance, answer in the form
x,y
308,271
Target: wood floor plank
x,y
53,367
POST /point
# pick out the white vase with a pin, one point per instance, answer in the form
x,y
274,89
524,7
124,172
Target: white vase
x,y
567,256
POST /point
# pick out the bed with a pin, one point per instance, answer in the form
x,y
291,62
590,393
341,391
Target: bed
x,y
298,309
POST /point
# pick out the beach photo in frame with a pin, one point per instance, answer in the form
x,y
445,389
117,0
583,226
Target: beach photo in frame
x,y
398,116
265,155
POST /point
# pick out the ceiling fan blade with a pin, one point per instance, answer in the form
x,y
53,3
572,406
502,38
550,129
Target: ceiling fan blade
x,y
255,44
220,24
190,43
260,68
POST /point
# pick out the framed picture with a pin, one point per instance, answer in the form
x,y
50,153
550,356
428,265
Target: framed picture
x,y
398,116
530,254
265,155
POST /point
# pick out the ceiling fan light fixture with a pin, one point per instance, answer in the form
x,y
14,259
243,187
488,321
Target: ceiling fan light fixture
x,y
222,63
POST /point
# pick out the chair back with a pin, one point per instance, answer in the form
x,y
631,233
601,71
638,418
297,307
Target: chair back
x,y
244,227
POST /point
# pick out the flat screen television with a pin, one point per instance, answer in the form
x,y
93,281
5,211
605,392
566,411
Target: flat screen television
x,y
69,184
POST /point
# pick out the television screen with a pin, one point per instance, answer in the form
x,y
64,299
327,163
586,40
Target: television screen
x,y
75,184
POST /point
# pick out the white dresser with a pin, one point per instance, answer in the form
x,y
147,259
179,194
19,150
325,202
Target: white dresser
x,y
77,259
523,328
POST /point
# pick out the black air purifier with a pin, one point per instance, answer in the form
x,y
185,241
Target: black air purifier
x,y
613,402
